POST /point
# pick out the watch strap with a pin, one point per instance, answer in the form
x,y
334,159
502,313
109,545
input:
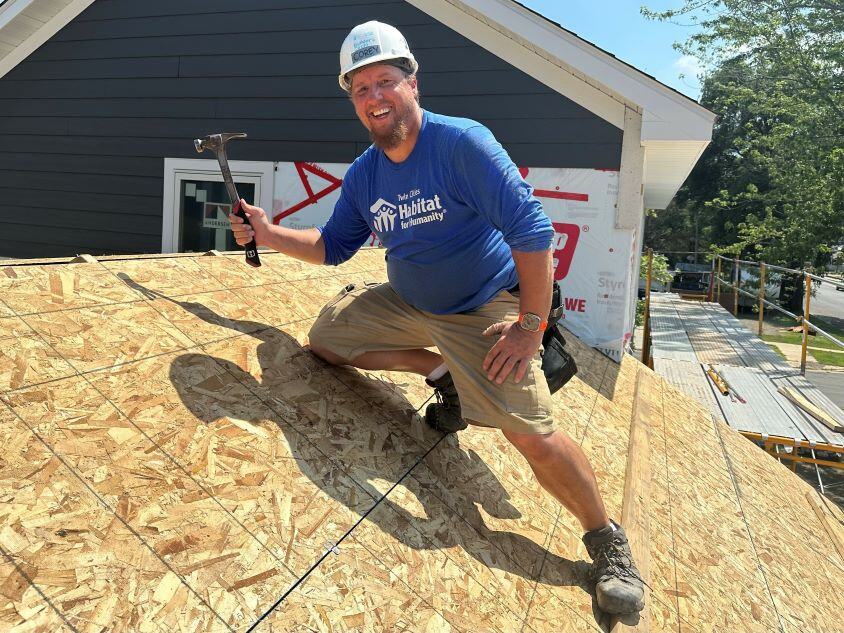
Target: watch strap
x,y
543,324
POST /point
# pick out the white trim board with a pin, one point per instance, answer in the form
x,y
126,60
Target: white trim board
x,y
262,173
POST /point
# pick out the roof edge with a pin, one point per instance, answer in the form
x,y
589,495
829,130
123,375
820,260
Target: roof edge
x,y
40,36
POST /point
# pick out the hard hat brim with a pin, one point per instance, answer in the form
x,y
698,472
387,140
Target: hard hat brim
x,y
406,63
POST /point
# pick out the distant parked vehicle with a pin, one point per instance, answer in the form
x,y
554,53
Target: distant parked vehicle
x,y
688,279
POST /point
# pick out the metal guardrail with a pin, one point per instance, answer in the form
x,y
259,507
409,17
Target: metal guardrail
x,y
804,319
826,280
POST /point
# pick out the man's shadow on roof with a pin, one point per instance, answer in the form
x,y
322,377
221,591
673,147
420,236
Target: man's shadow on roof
x,y
323,418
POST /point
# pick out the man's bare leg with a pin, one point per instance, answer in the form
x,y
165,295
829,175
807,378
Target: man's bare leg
x,y
562,469
417,361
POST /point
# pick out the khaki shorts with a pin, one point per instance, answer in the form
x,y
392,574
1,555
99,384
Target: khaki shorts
x,y
371,317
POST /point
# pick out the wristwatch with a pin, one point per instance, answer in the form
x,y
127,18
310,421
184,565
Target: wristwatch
x,y
531,322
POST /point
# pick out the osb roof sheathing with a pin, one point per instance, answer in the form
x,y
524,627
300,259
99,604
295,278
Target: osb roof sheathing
x,y
173,459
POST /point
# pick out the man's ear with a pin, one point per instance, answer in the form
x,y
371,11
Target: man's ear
x,y
414,86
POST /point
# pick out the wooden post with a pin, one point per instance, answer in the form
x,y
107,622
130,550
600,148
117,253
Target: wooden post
x,y
711,293
646,333
806,315
718,287
737,280
761,297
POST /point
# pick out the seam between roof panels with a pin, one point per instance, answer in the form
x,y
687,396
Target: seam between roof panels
x,y
676,604
10,558
334,548
125,523
737,488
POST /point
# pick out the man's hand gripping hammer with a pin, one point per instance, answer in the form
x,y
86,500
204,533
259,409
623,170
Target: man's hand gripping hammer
x,y
217,144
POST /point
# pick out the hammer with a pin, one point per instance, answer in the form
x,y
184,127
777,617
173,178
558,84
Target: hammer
x,y
217,144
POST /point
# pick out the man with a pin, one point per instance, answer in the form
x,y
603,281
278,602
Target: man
x,y
468,252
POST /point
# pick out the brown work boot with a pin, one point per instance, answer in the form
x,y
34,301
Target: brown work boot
x,y
618,584
444,414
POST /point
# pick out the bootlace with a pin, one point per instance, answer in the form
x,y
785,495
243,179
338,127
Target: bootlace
x,y
612,561
439,392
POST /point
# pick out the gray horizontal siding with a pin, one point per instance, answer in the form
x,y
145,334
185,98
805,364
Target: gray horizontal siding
x,y
86,121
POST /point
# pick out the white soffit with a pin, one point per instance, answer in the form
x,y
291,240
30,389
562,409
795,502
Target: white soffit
x,y
27,24
667,165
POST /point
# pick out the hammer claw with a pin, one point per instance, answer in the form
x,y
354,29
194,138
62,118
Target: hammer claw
x,y
217,144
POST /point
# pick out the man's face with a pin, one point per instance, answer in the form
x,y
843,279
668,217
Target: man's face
x,y
385,102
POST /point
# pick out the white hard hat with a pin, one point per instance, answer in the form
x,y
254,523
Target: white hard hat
x,y
370,43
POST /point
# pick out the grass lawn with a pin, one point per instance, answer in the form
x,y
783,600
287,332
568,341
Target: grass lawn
x,y
828,358
796,338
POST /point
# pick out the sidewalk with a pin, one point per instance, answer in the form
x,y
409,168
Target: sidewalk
x,y
792,355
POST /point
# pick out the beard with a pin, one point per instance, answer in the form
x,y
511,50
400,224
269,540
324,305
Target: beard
x,y
392,137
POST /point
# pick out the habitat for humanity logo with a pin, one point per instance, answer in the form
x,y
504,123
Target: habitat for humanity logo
x,y
411,212
385,215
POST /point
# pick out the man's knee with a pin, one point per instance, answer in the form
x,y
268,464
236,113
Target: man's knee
x,y
328,356
537,448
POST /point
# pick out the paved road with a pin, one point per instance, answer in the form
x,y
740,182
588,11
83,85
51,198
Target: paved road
x,y
830,382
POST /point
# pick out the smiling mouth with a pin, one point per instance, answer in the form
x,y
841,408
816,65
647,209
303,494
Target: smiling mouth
x,y
380,114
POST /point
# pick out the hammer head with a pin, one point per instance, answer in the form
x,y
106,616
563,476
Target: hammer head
x,y
215,142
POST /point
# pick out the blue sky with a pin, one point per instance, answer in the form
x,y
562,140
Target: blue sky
x,y
619,28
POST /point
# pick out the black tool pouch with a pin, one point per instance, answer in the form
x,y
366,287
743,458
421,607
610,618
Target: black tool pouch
x,y
557,364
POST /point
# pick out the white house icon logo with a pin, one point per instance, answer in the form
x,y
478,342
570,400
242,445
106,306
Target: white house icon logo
x,y
385,215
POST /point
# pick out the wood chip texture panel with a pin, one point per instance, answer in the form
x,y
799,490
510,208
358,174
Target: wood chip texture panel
x,y
173,458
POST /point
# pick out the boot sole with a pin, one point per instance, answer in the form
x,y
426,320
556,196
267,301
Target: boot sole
x,y
619,607
430,417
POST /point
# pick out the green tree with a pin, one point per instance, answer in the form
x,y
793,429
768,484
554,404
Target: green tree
x,y
660,270
771,184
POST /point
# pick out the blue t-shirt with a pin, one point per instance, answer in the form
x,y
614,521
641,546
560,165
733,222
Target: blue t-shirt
x,y
448,216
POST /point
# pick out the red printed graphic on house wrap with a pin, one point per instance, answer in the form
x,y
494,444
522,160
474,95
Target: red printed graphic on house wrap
x,y
565,242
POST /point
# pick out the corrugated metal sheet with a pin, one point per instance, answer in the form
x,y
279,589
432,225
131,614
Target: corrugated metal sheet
x,y
765,410
716,337
817,398
668,335
690,379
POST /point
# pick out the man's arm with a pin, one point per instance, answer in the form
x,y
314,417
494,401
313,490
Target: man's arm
x,y
306,244
516,347
535,280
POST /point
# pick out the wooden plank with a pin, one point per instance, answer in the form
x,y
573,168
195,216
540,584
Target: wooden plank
x,y
827,525
635,513
819,414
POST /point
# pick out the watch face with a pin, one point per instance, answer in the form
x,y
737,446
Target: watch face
x,y
530,321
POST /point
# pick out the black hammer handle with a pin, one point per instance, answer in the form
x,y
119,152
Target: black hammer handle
x,y
252,248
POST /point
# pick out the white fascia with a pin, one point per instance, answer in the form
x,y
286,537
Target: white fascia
x,y
15,8
12,9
